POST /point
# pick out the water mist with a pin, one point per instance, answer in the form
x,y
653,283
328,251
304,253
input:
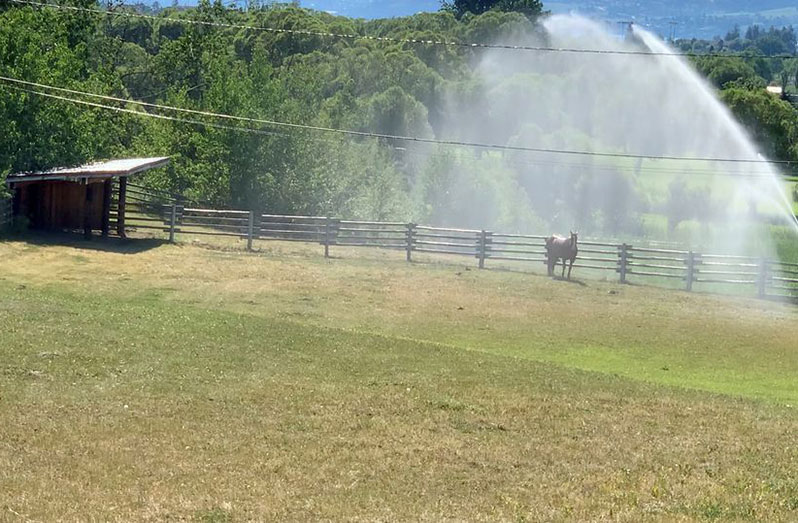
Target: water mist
x,y
634,104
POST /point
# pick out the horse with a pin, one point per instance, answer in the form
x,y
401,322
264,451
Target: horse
x,y
558,248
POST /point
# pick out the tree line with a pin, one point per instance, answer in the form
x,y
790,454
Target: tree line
x,y
384,87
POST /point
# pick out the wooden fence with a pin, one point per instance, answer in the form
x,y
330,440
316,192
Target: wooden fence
x,y
629,263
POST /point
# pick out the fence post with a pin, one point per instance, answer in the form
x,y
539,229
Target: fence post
x,y
250,230
690,270
622,261
409,240
327,221
481,248
172,222
488,244
761,280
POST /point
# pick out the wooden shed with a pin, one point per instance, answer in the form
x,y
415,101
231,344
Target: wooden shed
x,y
80,197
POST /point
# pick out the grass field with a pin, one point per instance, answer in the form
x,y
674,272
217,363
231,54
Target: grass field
x,y
144,381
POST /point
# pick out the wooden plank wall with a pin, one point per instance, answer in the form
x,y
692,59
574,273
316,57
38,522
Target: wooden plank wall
x,y
59,205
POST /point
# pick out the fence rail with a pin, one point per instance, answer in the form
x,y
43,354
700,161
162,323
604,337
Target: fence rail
x,y
631,264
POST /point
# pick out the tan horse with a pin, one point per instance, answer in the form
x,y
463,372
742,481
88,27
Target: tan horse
x,y
558,248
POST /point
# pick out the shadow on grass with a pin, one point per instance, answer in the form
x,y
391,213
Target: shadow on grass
x,y
566,280
97,243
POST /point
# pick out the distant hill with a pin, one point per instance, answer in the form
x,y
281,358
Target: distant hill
x,y
686,18
373,8
666,7
677,18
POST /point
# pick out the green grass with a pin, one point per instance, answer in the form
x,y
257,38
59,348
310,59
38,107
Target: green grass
x,y
186,383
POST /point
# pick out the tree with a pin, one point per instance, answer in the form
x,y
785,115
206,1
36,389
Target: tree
x,y
789,73
734,34
720,70
772,122
530,8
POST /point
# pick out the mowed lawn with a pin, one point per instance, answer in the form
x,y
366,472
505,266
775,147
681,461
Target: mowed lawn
x,y
141,381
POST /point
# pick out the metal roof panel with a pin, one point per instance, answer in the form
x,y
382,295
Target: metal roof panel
x,y
102,169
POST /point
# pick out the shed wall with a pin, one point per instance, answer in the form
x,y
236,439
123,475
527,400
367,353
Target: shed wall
x,y
58,205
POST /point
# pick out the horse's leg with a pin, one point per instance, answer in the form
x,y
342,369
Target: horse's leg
x,y
563,268
571,266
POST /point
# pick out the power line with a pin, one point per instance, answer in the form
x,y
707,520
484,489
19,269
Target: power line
x,y
631,169
512,162
365,134
414,41
145,114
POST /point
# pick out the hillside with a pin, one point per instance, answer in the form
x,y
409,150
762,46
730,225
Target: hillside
x,y
684,18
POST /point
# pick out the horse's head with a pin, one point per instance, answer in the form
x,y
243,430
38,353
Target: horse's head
x,y
574,237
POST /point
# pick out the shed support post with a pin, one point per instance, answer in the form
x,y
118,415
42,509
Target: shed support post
x,y
120,209
87,207
172,222
409,240
690,271
250,230
107,189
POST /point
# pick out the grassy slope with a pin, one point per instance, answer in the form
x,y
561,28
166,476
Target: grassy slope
x,y
732,346
182,382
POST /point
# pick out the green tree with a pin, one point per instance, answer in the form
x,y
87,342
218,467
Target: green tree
x,y
772,122
720,70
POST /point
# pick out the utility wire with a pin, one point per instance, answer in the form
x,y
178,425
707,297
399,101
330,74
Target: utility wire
x,y
365,134
608,168
512,162
415,41
145,114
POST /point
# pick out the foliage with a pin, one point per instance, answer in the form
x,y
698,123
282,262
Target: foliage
x,y
756,40
688,203
722,70
772,122
359,84
755,46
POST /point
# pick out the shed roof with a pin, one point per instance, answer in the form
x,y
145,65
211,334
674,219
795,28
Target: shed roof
x,y
104,169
